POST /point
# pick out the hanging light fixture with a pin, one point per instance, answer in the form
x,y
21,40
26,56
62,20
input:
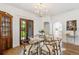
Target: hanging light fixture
x,y
40,9
40,5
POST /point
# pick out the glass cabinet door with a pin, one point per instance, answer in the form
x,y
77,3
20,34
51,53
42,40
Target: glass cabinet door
x,y
23,29
6,37
5,26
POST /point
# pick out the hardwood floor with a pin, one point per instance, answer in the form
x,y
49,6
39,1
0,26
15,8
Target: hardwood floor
x,y
14,51
71,49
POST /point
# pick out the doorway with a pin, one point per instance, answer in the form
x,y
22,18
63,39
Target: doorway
x,y
26,30
57,30
46,27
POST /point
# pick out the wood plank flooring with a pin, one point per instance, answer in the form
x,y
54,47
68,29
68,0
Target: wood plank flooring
x,y
14,51
71,49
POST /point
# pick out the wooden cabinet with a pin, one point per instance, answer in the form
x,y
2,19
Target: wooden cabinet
x,y
1,47
5,31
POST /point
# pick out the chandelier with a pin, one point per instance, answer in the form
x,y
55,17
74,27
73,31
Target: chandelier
x,y
40,9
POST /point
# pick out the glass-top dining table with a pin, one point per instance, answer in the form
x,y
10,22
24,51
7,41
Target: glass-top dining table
x,y
40,42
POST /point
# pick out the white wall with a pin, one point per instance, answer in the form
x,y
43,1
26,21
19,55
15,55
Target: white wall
x,y
17,14
38,22
63,18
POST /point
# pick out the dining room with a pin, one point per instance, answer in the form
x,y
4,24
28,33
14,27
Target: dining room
x,y
39,29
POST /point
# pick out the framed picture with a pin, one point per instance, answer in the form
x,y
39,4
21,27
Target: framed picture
x,y
72,25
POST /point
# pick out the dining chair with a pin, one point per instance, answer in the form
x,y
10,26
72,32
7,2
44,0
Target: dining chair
x,y
58,42
47,47
44,50
33,48
52,45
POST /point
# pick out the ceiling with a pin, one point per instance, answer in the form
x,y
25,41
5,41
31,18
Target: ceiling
x,y
49,9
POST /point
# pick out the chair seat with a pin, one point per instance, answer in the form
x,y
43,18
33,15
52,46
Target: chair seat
x,y
44,50
27,49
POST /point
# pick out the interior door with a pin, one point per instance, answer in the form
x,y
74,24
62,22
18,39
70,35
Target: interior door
x,y
30,28
57,30
23,31
26,30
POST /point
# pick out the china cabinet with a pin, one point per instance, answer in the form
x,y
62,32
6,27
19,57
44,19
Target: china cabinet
x,y
5,31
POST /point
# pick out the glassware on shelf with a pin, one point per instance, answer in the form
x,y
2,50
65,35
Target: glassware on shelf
x,y
5,27
3,24
3,34
7,19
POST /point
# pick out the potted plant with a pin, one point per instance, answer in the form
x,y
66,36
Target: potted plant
x,y
42,32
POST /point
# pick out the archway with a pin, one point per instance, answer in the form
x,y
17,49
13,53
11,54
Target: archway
x,y
57,30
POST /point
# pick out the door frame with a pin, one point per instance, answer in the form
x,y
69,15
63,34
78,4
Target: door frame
x,y
27,20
